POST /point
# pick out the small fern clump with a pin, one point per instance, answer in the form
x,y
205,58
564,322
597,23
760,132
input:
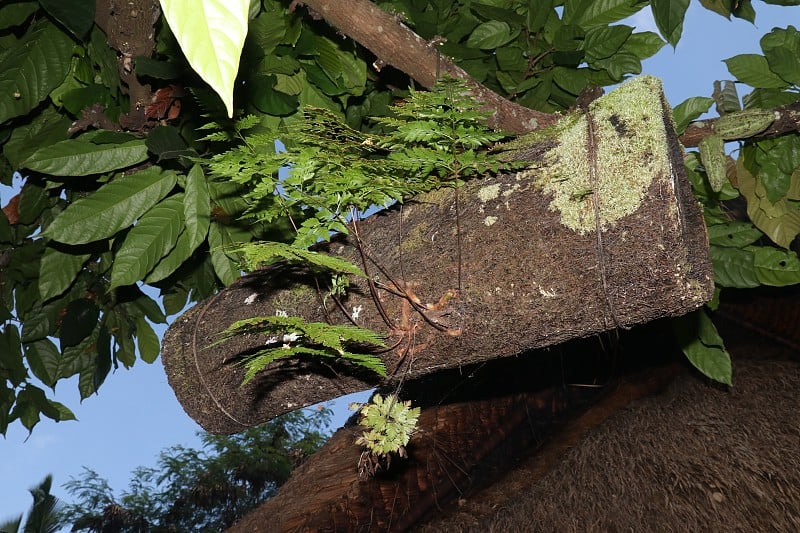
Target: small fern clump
x,y
389,424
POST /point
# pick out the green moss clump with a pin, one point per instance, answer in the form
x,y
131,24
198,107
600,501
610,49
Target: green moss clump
x,y
630,150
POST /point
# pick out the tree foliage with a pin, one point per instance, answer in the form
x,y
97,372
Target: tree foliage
x,y
199,490
114,208
44,514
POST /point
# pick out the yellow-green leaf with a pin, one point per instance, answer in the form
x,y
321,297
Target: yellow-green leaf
x,y
211,34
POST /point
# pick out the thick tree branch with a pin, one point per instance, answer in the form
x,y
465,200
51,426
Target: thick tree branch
x,y
395,44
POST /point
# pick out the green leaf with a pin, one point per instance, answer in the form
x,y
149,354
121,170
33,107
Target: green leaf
x,y
619,65
44,358
734,267
721,7
11,362
669,15
149,345
167,143
226,268
80,319
59,412
75,15
754,70
769,98
589,13
34,66
703,346
491,34
644,44
112,207
32,201
57,271
153,236
211,34
782,50
571,80
76,157
775,267
261,92
36,324
172,261
733,234
688,110
605,41
196,207
726,97
47,128
13,14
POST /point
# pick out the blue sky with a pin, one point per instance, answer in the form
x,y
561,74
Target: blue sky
x,y
136,414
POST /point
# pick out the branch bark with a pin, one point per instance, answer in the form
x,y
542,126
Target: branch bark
x,y
528,280
396,44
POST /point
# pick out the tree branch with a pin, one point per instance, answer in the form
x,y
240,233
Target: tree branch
x,y
395,44
787,121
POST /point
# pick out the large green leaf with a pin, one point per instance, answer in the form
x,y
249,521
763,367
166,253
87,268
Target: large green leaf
x,y
14,14
753,69
588,13
688,110
11,364
226,268
36,65
80,319
112,207
43,358
211,34
733,234
491,34
605,41
153,236
149,345
196,207
703,346
782,50
172,261
77,157
57,271
776,267
644,44
76,15
733,267
669,15
721,7
49,127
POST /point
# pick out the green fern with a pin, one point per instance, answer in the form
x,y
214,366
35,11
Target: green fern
x,y
292,336
335,173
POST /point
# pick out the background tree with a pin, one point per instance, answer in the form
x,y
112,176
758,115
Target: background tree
x,y
44,515
199,490
102,114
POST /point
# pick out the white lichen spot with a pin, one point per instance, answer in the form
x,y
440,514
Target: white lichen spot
x,y
250,299
281,312
551,293
489,220
489,192
356,311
